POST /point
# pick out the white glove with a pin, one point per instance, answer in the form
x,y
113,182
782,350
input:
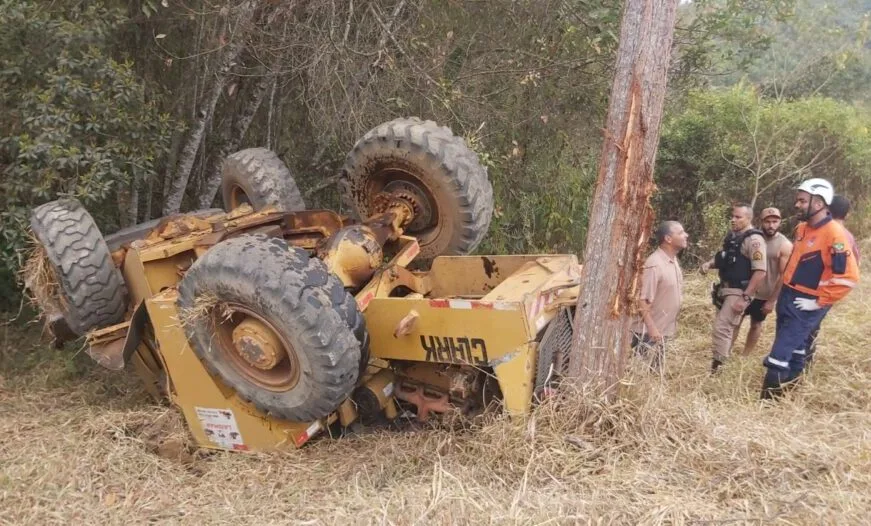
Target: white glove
x,y
807,304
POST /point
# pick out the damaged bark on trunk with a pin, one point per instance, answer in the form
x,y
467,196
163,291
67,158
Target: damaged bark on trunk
x,y
621,215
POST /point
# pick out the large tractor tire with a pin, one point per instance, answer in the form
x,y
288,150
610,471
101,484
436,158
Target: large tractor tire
x,y
257,176
435,170
267,320
344,303
91,291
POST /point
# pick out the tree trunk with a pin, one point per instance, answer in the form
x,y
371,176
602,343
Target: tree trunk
x,y
122,198
621,215
171,161
188,154
149,197
233,140
133,204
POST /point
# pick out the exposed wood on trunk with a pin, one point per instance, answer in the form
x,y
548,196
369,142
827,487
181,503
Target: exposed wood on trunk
x,y
621,214
233,139
228,57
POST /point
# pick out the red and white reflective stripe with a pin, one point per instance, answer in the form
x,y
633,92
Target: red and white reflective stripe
x,y
454,304
364,301
471,304
541,302
310,432
413,250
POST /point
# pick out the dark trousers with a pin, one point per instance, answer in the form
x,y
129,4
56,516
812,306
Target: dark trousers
x,y
649,350
795,334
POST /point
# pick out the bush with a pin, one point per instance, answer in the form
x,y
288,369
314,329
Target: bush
x,y
76,122
724,146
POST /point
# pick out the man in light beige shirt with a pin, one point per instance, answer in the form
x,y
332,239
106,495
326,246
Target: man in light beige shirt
x,y
777,250
660,295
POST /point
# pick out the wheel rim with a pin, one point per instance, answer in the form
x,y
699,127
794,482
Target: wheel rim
x,y
254,348
429,221
238,197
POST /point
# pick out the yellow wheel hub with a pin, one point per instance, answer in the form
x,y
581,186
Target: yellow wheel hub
x,y
257,344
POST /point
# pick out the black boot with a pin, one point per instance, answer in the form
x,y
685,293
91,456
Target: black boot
x,y
715,366
773,384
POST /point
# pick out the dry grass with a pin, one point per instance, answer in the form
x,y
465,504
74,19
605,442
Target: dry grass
x,y
41,284
201,310
79,446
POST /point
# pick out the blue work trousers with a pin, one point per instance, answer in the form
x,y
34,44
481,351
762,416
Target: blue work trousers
x,y
794,336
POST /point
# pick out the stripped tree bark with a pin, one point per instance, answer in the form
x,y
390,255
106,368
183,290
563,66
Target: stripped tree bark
x,y
621,214
229,55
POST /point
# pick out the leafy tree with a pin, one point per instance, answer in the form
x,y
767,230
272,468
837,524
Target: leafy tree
x,y
824,49
75,121
733,145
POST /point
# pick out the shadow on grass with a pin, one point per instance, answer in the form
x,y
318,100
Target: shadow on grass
x,y
30,361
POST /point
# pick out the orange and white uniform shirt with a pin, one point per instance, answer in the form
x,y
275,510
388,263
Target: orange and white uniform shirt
x,y
822,263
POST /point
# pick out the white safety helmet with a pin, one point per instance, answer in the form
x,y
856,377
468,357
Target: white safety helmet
x,y
820,187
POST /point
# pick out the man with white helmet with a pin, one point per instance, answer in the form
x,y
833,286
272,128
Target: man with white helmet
x,y
820,272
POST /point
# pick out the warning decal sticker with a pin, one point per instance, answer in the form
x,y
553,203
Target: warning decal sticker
x,y
220,427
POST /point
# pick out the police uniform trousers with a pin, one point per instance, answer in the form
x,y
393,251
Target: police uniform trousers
x,y
726,323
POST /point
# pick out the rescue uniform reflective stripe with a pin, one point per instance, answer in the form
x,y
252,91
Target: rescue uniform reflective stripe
x,y
795,333
838,281
777,362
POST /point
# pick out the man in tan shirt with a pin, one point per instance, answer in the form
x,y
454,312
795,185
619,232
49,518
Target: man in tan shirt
x,y
742,265
660,295
777,249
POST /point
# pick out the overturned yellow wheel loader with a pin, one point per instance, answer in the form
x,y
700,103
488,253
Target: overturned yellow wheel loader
x,y
268,324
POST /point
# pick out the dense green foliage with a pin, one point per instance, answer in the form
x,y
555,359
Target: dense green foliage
x,y
732,145
76,121
100,100
824,49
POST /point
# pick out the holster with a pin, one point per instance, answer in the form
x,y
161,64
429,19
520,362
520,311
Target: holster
x,y
716,299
